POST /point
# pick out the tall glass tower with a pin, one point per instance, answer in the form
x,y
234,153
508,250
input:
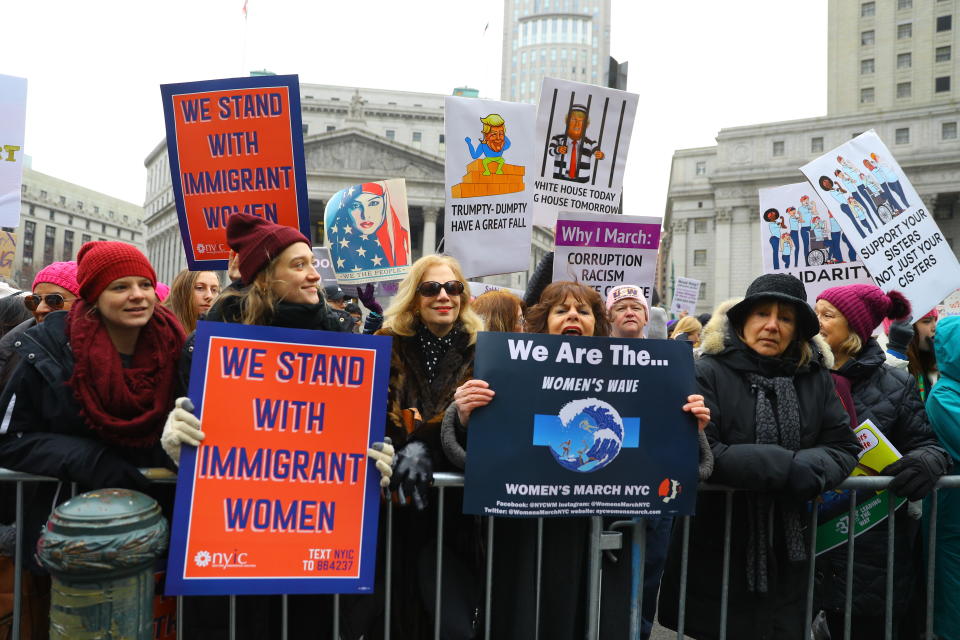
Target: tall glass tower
x,y
567,39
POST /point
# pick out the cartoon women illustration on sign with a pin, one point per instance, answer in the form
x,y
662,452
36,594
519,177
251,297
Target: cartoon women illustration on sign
x,y
880,176
772,218
860,213
365,231
886,208
808,211
892,178
839,194
793,217
856,186
787,248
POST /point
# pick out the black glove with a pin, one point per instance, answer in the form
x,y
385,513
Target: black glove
x,y
805,481
413,474
913,477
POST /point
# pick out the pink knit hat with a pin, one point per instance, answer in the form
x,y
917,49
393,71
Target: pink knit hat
x,y
624,291
162,291
62,274
933,313
866,305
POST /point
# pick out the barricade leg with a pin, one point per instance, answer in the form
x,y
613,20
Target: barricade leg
x,y
725,585
684,560
489,594
931,563
388,573
812,572
437,595
638,558
888,605
539,575
593,578
848,596
18,562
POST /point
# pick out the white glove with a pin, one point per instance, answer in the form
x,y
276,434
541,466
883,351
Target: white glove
x,y
181,427
382,454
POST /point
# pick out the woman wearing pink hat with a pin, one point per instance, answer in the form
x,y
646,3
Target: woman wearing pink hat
x,y
54,288
887,397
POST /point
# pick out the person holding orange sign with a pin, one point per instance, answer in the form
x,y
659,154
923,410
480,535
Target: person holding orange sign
x,y
278,267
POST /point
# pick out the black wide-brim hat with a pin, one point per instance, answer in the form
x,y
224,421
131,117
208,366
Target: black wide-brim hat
x,y
777,287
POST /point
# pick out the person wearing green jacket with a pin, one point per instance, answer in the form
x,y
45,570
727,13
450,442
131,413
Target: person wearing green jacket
x,y
943,411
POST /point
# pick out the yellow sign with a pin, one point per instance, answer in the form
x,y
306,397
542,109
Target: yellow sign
x,y
8,249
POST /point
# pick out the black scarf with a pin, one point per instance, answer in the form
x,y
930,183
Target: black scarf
x,y
776,423
434,348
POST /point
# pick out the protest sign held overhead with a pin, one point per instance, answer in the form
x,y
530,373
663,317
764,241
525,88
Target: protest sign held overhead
x,y
487,222
882,215
583,135
235,146
325,266
686,292
279,497
800,236
13,118
603,251
570,433
368,232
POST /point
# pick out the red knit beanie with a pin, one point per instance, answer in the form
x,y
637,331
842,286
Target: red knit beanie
x,y
866,305
100,263
257,242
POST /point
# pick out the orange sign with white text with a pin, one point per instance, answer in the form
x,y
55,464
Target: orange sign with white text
x,y
280,489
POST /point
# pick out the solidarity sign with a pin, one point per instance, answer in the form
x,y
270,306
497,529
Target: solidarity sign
x,y
279,497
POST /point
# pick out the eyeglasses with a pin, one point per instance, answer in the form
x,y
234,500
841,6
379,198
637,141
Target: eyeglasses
x,y
430,288
53,300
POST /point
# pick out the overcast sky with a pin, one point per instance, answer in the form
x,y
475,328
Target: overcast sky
x,y
94,68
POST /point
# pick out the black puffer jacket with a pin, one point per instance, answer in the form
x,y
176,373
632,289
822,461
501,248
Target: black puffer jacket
x,y
43,433
828,449
889,398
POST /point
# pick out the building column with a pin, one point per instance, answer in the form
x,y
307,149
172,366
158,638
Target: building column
x,y
429,231
721,257
678,259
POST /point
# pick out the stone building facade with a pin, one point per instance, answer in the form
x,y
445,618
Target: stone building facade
x,y
57,217
711,229
351,135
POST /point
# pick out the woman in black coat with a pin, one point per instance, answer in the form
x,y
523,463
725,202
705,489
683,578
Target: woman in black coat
x,y
778,431
889,398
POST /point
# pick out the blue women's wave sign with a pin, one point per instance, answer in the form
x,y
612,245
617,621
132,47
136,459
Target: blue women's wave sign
x,y
586,435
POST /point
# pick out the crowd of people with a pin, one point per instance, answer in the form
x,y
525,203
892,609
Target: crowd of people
x,y
95,363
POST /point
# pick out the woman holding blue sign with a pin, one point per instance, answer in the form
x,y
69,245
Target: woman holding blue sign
x,y
565,308
779,431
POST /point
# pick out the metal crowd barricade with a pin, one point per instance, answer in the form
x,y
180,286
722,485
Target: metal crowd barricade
x,y
600,542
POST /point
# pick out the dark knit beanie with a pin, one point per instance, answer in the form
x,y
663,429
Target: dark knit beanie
x,y
866,305
99,263
900,334
257,242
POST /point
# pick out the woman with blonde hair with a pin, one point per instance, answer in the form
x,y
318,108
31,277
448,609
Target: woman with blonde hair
x,y
191,296
687,328
434,331
501,311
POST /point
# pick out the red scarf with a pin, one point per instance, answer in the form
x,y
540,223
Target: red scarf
x,y
125,406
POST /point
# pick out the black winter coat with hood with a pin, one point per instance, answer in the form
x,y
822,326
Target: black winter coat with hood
x,y
889,398
828,450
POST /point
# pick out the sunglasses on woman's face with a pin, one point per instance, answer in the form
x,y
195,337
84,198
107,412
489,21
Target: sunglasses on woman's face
x,y
430,288
53,300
